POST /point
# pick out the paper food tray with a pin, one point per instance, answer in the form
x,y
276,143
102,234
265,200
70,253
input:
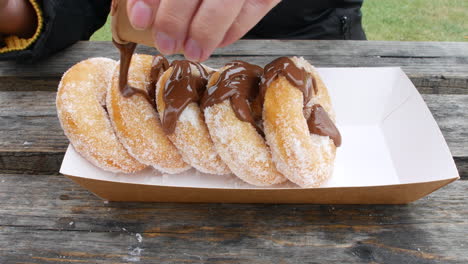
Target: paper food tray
x,y
392,153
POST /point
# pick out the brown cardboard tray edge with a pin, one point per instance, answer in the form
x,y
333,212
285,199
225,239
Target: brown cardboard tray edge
x,y
384,194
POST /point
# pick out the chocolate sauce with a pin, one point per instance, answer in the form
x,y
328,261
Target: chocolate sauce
x,y
182,88
159,65
126,53
239,83
285,67
319,122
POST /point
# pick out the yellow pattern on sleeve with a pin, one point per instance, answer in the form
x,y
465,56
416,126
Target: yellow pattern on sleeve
x,y
14,43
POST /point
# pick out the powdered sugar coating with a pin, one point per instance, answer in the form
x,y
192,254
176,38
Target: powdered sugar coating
x,y
191,135
81,110
239,144
305,159
241,147
137,124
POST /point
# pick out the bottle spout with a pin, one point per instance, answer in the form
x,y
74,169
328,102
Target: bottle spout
x,y
122,30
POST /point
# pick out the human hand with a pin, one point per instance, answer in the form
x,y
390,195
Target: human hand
x,y
17,17
196,27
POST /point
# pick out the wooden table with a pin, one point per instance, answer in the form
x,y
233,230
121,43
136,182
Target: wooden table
x,y
46,218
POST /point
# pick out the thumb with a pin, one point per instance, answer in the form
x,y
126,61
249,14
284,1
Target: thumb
x,y
141,13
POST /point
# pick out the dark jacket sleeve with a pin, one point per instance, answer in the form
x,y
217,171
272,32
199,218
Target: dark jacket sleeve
x,y
319,19
65,22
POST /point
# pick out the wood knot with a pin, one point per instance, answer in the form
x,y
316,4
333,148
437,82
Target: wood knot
x,y
364,252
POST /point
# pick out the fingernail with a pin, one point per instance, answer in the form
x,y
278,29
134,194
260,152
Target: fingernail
x,y
141,15
192,50
165,44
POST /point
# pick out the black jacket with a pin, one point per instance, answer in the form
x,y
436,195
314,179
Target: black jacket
x,y
68,21
65,22
311,19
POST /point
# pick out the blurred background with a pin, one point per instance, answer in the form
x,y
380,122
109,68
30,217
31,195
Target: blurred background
x,y
401,20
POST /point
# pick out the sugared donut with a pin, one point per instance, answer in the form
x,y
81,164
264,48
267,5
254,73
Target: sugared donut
x,y
178,92
228,105
81,108
134,117
298,121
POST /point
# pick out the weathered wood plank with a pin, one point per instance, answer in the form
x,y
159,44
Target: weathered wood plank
x,y
38,103
31,162
29,83
426,84
338,47
439,84
54,220
451,114
31,134
413,49
443,66
55,196
434,67
29,130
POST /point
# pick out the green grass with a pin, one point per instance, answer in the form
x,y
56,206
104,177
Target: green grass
x,y
401,20
103,33
416,20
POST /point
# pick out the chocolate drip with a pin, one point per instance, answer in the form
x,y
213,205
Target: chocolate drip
x,y
285,67
126,53
320,123
158,67
239,83
182,88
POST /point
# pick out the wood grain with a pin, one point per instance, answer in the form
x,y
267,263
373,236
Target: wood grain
x,y
58,221
434,67
399,49
32,141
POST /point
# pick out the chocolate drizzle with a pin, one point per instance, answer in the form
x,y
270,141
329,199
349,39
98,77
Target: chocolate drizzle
x,y
285,67
182,88
239,83
319,122
159,65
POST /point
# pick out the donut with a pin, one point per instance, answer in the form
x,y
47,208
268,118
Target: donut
x,y
178,92
81,109
228,104
134,117
298,121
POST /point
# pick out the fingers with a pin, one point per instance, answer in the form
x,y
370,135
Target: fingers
x,y
252,12
3,4
172,23
196,27
208,27
141,13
